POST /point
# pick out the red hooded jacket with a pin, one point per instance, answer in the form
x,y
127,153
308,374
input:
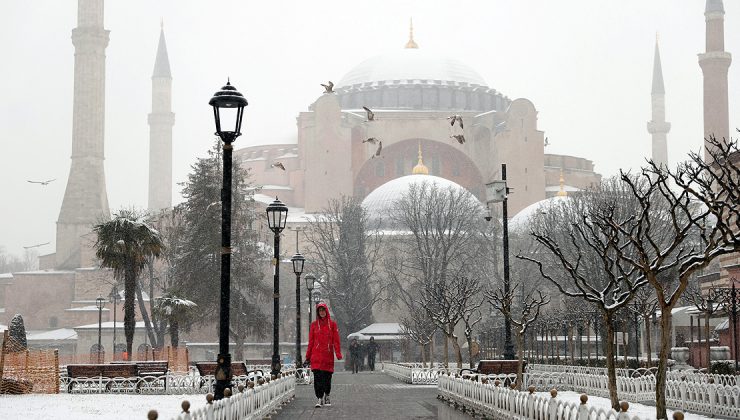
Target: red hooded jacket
x,y
323,342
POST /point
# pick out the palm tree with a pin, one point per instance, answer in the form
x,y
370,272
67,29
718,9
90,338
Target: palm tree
x,y
125,243
175,310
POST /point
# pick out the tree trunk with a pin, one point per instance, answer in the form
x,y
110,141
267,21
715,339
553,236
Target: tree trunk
x,y
174,332
610,362
456,346
706,330
520,365
129,319
423,355
431,350
145,315
588,343
648,342
446,357
661,376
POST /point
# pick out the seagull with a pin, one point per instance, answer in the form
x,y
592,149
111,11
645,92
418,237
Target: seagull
x,y
370,114
455,118
42,182
278,165
35,246
328,87
377,151
459,137
371,140
547,142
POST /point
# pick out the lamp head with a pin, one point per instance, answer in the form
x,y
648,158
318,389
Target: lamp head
x,y
100,302
298,260
277,213
233,102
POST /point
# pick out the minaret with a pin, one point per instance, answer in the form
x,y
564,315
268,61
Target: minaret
x,y
161,121
714,64
85,198
658,126
411,43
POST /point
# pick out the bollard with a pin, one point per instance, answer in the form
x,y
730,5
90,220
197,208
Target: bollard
x,y
241,388
584,399
185,407
531,389
209,398
227,392
583,409
553,393
677,415
250,384
152,415
261,381
497,382
484,380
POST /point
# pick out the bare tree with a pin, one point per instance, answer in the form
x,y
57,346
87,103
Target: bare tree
x,y
419,328
526,314
706,306
644,304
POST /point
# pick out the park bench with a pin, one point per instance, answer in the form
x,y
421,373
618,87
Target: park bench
x,y
104,373
237,369
494,367
150,368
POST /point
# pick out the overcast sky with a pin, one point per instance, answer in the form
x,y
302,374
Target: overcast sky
x,y
585,64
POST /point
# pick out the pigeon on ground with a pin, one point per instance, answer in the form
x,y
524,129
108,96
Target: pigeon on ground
x,y
455,118
370,114
328,87
278,165
371,140
459,137
377,151
42,182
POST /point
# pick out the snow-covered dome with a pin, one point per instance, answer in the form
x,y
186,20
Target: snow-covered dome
x,y
381,200
411,65
521,219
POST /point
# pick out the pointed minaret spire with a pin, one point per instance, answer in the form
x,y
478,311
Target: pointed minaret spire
x,y
161,121
420,168
562,192
658,126
715,63
411,43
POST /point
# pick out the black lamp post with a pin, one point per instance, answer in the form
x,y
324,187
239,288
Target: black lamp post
x,y
498,191
114,299
100,303
228,108
298,260
729,298
277,213
310,284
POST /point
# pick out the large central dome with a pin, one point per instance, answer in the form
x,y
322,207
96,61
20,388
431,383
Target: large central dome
x,y
409,65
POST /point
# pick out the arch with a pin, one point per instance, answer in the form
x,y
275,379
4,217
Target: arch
x,y
443,160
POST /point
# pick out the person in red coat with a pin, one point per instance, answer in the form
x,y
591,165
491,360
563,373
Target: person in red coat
x,y
323,344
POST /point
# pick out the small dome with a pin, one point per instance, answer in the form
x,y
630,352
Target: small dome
x,y
411,64
521,220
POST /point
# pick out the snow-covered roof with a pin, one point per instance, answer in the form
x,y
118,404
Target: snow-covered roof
x,y
522,218
6,276
566,188
89,308
277,187
411,65
3,327
58,334
139,324
381,328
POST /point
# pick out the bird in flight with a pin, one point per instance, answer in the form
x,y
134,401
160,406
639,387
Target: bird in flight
x,y
377,151
371,140
278,165
370,114
42,182
459,137
35,246
328,87
547,142
456,118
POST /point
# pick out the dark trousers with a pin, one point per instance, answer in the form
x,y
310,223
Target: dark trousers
x,y
355,362
321,382
371,361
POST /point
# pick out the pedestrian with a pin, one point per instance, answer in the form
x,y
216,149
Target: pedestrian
x,y
354,355
323,344
372,348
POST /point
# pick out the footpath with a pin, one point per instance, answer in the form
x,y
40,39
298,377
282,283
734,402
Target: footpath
x,y
370,395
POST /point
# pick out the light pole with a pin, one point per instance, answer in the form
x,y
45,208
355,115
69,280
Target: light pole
x,y
298,260
100,303
729,297
498,191
277,213
114,299
310,284
228,104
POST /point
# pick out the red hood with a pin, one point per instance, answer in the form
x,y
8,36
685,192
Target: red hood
x,y
322,305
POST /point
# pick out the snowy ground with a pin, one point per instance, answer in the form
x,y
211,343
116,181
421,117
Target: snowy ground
x,y
640,410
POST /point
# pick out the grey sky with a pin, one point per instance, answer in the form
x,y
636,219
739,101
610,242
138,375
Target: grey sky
x,y
585,64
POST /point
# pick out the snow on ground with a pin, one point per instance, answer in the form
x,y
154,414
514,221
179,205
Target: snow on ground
x,y
94,406
635,409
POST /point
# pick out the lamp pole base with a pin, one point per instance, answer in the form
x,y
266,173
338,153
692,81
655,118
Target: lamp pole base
x,y
222,375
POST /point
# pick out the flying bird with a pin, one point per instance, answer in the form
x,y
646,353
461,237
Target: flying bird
x,y
371,140
42,182
455,118
377,151
547,142
278,165
459,137
35,246
328,87
370,114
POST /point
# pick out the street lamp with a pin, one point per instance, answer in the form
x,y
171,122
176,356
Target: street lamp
x,y
298,260
100,303
114,299
310,284
498,191
729,298
228,108
277,213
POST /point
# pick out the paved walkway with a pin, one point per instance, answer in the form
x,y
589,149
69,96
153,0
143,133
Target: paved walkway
x,y
370,395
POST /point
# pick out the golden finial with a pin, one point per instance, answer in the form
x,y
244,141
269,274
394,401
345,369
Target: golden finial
x,y
420,168
411,43
161,23
562,192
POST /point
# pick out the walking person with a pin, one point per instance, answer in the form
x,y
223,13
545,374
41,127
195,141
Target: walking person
x,y
323,344
372,348
354,355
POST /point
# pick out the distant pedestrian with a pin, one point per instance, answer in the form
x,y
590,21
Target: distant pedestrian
x,y
323,344
372,348
354,355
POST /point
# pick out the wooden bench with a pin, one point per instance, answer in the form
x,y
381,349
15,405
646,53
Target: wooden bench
x,y
209,369
494,367
155,368
109,372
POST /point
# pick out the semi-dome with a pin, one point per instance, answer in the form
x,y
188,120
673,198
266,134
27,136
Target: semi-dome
x,y
522,219
411,65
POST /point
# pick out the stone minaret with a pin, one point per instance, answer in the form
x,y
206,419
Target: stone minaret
x,y
161,121
85,198
658,126
714,65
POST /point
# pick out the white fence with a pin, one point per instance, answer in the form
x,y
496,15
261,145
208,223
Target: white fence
x,y
253,402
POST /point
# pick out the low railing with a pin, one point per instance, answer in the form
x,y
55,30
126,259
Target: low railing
x,y
701,377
